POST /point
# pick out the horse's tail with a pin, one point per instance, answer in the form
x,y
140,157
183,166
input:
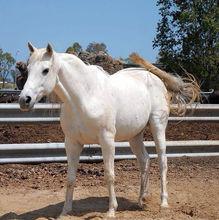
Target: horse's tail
x,y
182,91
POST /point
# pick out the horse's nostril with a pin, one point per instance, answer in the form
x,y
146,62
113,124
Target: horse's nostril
x,y
28,99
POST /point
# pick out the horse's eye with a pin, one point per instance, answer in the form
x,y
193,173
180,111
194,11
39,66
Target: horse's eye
x,y
45,71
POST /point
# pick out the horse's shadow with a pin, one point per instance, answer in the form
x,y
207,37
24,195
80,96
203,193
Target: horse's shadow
x,y
80,207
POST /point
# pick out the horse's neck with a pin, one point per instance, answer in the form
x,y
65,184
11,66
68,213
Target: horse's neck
x,y
75,81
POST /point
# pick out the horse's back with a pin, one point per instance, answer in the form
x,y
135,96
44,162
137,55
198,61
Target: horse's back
x,y
154,85
142,79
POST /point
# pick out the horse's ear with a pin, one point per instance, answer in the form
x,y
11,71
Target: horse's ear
x,y
31,47
49,49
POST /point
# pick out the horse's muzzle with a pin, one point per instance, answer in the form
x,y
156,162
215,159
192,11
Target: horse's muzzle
x,y
25,103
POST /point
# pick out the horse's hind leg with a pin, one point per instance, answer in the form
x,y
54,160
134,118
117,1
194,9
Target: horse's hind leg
x,y
143,159
158,123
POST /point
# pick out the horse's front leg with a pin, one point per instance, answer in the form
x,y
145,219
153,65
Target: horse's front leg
x,y
108,150
73,151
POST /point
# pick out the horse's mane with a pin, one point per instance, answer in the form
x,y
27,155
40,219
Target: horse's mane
x,y
71,57
99,68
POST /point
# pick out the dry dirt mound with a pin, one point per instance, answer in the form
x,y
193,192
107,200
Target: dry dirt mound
x,y
108,63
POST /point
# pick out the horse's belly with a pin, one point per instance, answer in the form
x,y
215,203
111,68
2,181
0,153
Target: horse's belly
x,y
132,117
127,129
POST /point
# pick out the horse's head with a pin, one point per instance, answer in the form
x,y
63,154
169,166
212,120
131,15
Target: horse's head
x,y
42,74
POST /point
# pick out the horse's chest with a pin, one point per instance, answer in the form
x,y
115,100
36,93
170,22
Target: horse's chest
x,y
81,128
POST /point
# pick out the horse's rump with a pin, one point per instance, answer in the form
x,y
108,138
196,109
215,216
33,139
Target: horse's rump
x,y
183,91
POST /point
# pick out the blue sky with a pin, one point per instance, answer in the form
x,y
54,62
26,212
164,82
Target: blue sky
x,y
123,25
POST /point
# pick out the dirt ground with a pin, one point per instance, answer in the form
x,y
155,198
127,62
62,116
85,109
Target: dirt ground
x,y
41,133
37,191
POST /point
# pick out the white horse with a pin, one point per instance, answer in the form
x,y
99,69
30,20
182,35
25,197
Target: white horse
x,y
99,108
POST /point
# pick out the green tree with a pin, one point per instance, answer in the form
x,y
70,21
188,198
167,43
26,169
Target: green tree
x,y
6,64
95,47
13,75
76,48
188,37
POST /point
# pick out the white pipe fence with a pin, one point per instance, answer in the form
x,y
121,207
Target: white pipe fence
x,y
54,152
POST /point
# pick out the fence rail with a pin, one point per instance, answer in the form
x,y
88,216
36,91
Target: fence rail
x,y
47,113
54,152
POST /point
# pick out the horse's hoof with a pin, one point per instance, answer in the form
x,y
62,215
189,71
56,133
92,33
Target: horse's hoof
x,y
64,213
60,217
110,214
142,204
142,201
164,205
